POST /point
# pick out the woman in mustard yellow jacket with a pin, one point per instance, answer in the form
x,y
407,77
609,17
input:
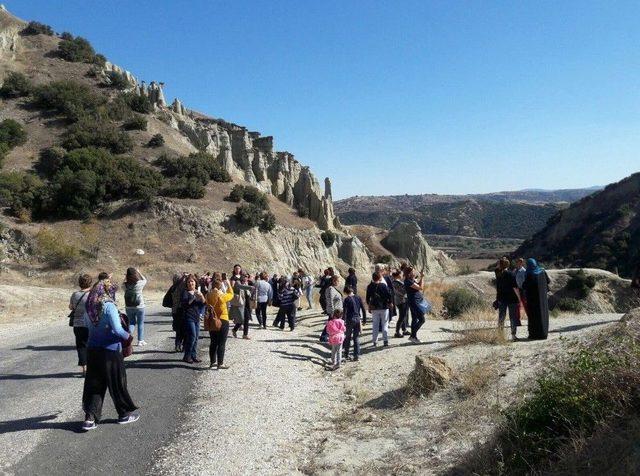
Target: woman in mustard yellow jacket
x,y
218,300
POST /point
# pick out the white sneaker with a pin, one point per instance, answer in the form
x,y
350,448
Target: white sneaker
x,y
142,343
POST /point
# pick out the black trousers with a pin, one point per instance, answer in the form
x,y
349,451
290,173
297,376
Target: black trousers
x,y
288,313
352,333
105,370
403,317
82,337
218,343
261,314
244,325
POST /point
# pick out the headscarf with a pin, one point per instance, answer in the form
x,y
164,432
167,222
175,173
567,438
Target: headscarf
x,y
101,292
533,268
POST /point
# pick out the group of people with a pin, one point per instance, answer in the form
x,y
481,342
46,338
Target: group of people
x,y
522,286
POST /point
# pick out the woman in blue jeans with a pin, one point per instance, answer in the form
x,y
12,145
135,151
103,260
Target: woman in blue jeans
x,y
414,296
193,303
134,302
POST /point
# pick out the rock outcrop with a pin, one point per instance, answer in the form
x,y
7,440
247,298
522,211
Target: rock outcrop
x,y
10,28
406,241
430,373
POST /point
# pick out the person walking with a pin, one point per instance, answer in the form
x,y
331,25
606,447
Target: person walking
x,y
177,313
507,297
355,315
237,306
307,287
134,302
352,280
78,307
287,295
336,329
192,302
105,363
218,300
536,287
264,296
414,290
378,299
333,302
400,301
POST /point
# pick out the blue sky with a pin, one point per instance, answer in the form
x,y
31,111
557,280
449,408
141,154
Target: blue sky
x,y
395,97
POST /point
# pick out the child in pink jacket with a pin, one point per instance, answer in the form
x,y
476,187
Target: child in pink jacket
x,y
336,329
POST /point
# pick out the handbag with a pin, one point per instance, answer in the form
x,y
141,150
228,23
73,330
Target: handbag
x,y
424,306
72,314
127,345
212,322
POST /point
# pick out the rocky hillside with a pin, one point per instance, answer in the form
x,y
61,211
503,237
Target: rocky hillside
x,y
449,216
599,231
99,170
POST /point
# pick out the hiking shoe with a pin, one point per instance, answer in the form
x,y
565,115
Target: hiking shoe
x,y
223,367
141,343
89,425
414,340
397,335
130,418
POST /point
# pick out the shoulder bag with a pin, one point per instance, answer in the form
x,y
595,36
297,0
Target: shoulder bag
x,y
72,314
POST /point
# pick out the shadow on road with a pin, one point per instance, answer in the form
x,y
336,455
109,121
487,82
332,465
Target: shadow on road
x,y
31,377
38,423
577,327
60,348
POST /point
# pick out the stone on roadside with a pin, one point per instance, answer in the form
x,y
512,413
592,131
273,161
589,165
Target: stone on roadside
x,y
429,374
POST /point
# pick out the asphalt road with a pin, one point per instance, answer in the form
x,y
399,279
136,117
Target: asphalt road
x,y
41,408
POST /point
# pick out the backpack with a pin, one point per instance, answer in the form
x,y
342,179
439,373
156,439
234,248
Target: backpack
x,y
378,299
131,297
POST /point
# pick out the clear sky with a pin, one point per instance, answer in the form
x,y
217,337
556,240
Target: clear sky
x,y
393,97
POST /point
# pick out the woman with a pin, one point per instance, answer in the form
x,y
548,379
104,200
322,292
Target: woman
x,y
307,287
192,303
105,364
536,287
507,297
264,295
238,306
218,300
177,313
400,301
134,302
78,306
332,301
352,280
354,316
414,296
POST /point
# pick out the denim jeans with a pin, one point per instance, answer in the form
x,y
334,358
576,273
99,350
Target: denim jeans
x,y
379,318
352,333
192,331
309,295
136,316
417,319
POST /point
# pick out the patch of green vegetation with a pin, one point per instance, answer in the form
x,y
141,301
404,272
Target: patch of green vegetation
x,y
78,50
16,85
567,304
138,103
248,194
384,259
96,132
183,187
118,80
68,98
581,284
55,249
457,301
253,215
136,123
37,28
199,165
328,237
156,141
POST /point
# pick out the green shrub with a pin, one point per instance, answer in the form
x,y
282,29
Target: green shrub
x,y
138,103
16,85
55,249
268,221
117,109
567,304
99,60
459,300
19,191
581,284
37,28
76,50
12,133
328,238
118,80
156,141
255,196
136,123
71,99
236,194
385,259
249,214
50,161
303,211
183,187
65,35
4,150
92,132
200,165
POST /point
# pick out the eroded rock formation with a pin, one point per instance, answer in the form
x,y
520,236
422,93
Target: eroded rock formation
x,y
405,240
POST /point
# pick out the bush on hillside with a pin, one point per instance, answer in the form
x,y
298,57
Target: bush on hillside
x,y
49,161
4,150
581,284
567,304
65,35
249,214
138,103
199,165
384,259
99,60
19,191
37,28
156,141
248,194
183,187
268,221
16,85
71,99
92,132
55,249
76,50
136,123
457,301
328,238
12,133
236,194
118,80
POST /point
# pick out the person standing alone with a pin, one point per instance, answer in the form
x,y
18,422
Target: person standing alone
x,y
134,302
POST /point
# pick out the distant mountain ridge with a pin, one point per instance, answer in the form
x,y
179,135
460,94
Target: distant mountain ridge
x,y
516,214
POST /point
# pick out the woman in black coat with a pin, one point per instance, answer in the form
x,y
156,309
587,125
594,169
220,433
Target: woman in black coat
x,y
535,287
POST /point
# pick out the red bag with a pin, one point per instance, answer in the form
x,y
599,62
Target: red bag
x,y
127,345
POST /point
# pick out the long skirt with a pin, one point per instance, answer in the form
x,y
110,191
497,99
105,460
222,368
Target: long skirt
x,y
105,370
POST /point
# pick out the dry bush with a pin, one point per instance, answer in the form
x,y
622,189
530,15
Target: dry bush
x,y
55,249
478,326
433,292
90,233
478,376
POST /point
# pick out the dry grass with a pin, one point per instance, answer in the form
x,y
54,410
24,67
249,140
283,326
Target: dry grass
x,y
433,292
478,326
478,376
